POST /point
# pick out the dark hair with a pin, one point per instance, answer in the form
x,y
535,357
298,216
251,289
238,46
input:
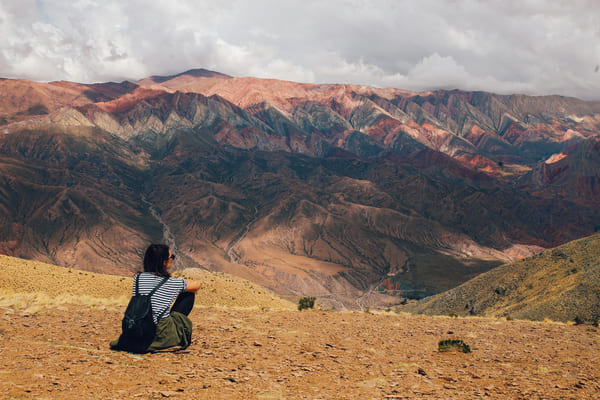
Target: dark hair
x,y
154,259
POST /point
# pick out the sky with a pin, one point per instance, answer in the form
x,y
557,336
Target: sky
x,y
536,47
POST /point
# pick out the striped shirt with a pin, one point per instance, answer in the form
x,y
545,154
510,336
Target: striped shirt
x,y
164,296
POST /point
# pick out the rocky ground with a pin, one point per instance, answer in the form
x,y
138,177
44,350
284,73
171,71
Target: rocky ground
x,y
62,353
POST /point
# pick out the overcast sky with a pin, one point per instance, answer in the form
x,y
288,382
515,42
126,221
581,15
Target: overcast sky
x,y
503,46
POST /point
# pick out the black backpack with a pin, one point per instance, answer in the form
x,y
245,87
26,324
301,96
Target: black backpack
x,y
138,328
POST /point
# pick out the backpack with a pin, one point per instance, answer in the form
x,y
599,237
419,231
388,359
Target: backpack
x,y
138,328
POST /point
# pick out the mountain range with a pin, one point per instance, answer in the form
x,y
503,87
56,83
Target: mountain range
x,y
360,196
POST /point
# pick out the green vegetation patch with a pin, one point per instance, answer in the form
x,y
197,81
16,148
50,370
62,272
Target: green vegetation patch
x,y
453,344
306,302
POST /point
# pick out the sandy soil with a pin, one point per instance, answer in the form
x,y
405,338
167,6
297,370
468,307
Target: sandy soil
x,y
248,354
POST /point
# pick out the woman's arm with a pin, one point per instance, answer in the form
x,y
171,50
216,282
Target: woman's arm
x,y
192,286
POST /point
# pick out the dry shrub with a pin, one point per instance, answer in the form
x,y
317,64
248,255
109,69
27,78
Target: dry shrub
x,y
33,302
453,344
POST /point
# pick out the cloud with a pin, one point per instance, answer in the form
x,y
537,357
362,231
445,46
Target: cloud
x,y
437,70
528,46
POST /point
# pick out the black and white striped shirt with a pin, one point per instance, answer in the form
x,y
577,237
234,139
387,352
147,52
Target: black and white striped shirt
x,y
164,296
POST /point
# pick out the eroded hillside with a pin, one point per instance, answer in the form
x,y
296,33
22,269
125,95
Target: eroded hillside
x,y
361,196
562,284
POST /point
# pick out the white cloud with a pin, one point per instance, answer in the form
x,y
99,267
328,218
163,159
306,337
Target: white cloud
x,y
531,46
439,71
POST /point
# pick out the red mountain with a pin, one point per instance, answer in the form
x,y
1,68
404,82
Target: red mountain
x,y
354,194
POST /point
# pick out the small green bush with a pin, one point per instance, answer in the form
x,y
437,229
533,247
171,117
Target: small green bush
x,y
306,302
453,344
583,321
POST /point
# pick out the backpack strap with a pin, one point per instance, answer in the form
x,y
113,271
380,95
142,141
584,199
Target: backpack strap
x,y
166,278
159,316
136,278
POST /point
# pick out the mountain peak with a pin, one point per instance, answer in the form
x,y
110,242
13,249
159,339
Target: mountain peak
x,y
195,73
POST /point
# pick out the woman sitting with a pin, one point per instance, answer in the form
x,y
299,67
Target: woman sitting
x,y
173,327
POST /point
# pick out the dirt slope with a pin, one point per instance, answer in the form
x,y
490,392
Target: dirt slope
x,y
31,284
561,284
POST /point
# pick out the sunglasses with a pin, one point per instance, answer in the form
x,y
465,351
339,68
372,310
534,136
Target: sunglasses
x,y
172,257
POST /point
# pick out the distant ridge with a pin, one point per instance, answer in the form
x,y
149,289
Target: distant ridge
x,y
196,73
560,284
